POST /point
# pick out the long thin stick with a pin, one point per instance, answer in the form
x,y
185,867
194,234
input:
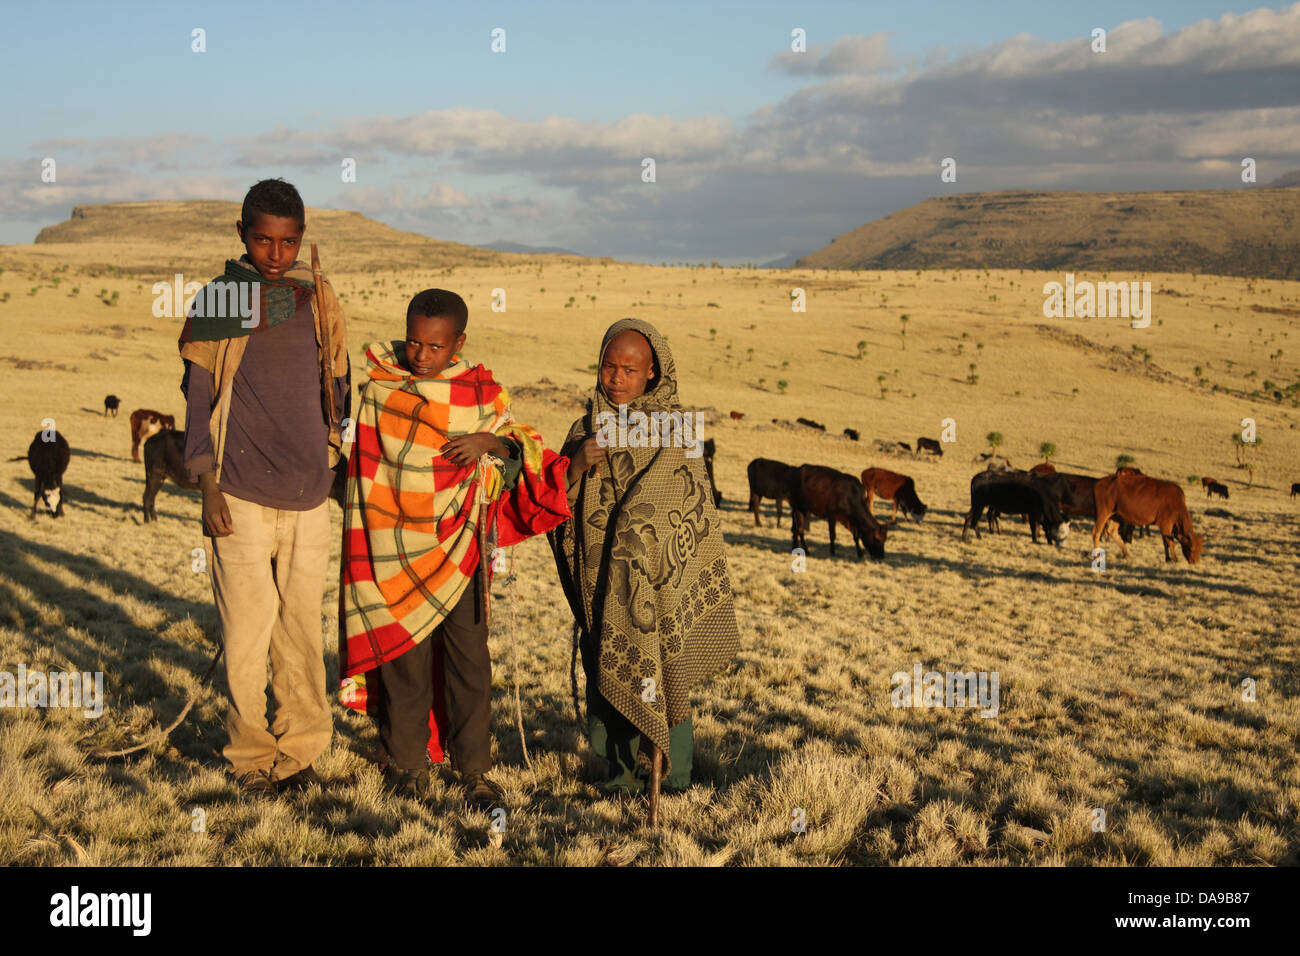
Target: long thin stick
x,y
194,696
514,656
327,362
656,779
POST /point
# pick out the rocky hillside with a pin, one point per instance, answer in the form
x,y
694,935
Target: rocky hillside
x,y
1233,232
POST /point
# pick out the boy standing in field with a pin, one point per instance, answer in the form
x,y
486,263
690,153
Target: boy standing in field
x,y
642,566
264,403
439,466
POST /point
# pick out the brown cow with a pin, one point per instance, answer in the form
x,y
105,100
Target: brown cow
x,y
768,479
820,492
894,487
1140,500
737,416
1206,481
146,422
1078,500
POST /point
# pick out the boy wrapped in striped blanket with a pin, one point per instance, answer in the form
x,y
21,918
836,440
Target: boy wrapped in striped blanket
x,y
439,467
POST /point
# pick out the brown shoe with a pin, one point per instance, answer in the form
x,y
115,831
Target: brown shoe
x,y
255,784
482,793
299,781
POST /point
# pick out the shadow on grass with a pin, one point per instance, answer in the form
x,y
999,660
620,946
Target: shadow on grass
x,y
125,650
74,495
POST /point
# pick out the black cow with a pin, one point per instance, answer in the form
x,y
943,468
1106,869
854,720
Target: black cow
x,y
928,444
48,461
811,424
768,479
819,492
164,457
1295,488
1011,496
991,474
110,405
1214,488
851,434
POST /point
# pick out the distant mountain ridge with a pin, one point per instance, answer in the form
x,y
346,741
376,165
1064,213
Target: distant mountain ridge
x,y
501,245
1239,232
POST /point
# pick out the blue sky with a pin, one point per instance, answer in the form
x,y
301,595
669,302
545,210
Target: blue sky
x,y
759,152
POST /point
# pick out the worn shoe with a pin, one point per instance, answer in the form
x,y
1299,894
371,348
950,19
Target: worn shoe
x,y
480,792
300,781
255,784
414,784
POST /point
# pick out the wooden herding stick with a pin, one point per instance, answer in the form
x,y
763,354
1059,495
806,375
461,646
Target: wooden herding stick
x,y
327,362
656,778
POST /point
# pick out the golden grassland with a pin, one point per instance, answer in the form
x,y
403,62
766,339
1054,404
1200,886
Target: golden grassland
x,y
1120,690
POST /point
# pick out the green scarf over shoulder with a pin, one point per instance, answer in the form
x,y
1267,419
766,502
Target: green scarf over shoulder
x,y
220,307
642,562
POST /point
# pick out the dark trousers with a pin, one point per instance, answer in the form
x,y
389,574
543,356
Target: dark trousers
x,y
467,678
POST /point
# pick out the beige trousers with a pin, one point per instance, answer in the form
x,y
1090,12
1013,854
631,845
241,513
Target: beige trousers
x,y
268,581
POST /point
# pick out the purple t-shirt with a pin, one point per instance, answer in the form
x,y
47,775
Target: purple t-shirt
x,y
276,437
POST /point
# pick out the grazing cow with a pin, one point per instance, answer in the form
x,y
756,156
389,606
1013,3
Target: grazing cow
x,y
1216,489
894,487
928,444
146,422
851,434
995,472
819,492
1044,468
1052,485
811,424
1013,496
710,449
1206,481
164,457
1295,488
1140,500
1077,500
48,461
768,479
110,405
737,416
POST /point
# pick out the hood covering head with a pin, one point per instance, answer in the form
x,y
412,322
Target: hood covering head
x,y
661,391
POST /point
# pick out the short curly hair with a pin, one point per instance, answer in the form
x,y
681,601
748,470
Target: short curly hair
x,y
435,302
273,197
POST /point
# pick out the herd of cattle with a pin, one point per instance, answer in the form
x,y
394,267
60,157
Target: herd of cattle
x,y
1119,503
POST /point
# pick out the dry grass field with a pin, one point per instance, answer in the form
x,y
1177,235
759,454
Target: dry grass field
x,y
1120,690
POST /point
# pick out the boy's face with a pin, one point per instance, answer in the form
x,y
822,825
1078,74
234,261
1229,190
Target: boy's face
x,y
272,243
431,343
626,367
